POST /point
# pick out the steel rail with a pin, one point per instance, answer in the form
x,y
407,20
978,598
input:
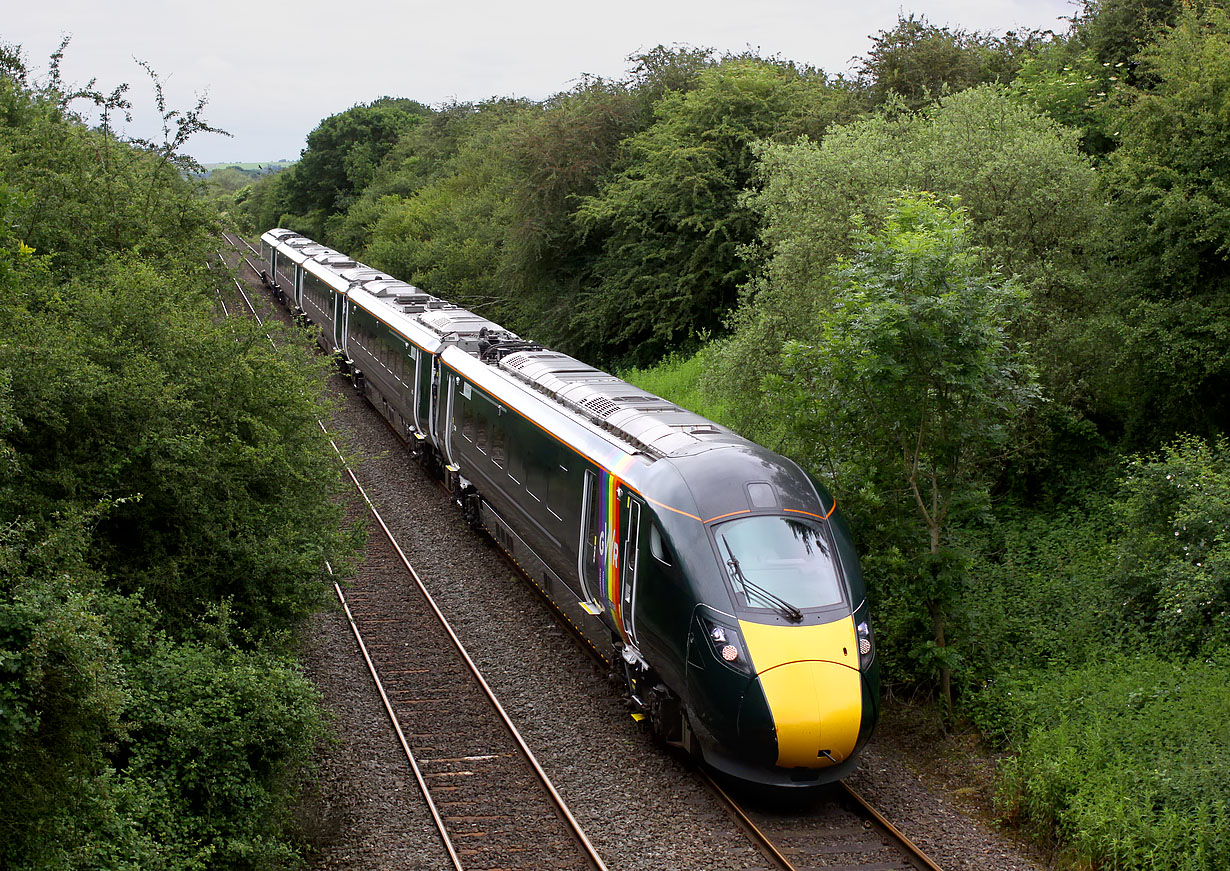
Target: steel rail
x,y
401,736
914,850
590,853
760,840
913,853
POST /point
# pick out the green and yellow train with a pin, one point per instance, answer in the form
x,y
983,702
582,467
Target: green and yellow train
x,y
717,577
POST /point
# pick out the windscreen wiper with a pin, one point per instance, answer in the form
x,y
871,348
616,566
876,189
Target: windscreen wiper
x,y
789,611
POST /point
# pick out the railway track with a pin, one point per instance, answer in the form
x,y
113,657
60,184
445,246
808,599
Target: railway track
x,y
493,804
834,828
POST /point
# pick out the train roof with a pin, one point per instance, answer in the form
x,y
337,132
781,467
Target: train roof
x,y
278,234
401,296
652,424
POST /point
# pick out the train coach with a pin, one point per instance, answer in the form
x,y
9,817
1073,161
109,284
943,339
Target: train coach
x,y
716,577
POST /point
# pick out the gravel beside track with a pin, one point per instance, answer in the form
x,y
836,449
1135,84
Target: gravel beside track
x,y
639,803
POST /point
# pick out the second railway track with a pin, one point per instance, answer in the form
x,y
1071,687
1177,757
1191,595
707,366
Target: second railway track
x,y
489,795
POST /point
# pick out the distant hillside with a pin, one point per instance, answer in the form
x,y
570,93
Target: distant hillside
x,y
250,168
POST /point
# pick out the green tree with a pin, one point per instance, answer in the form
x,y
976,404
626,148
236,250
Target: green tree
x,y
917,62
1168,180
671,218
1068,83
558,157
63,691
905,393
1076,78
1031,197
83,190
1172,566
342,156
1114,31
447,231
165,511
205,431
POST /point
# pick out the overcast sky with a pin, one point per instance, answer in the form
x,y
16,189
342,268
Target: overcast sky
x,y
273,71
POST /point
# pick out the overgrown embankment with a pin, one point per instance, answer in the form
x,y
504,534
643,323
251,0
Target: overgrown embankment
x,y
165,513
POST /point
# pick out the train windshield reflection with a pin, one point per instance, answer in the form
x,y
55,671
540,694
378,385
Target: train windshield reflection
x,y
779,562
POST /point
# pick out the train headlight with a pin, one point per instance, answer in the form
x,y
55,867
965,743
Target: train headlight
x,y
727,646
866,645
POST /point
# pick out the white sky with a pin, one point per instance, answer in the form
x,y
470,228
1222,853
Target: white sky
x,y
272,72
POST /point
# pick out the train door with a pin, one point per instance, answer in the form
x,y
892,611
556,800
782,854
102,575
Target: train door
x,y
343,340
289,279
631,511
591,547
286,266
448,385
414,358
339,324
433,411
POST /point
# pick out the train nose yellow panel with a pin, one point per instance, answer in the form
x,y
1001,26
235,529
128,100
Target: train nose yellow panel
x,y
817,708
812,684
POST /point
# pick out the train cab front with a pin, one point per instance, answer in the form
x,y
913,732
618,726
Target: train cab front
x,y
785,690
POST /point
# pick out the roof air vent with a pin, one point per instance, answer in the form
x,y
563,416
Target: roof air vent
x,y
601,406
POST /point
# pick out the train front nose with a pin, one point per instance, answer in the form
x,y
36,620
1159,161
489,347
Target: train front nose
x,y
812,695
816,710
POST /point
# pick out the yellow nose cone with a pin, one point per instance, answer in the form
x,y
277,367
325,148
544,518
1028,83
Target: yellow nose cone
x,y
816,708
811,681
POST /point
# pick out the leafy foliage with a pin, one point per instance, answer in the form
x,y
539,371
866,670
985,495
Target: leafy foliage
x,y
84,192
917,62
906,391
165,512
1172,567
1121,762
447,230
1032,200
671,218
341,159
1169,181
131,393
1115,31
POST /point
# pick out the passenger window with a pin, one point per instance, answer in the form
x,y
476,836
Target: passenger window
x,y
482,427
536,483
467,421
556,490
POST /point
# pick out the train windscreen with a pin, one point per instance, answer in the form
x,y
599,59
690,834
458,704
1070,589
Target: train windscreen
x,y
781,563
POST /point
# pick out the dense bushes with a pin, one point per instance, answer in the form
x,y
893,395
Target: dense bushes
x,y
1123,761
165,516
1172,556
